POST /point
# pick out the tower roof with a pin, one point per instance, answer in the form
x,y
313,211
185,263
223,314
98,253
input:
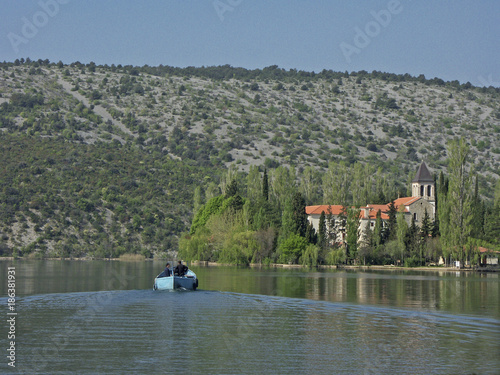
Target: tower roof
x,y
423,174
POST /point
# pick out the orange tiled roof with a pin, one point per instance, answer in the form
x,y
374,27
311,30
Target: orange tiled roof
x,y
316,210
336,209
384,208
485,250
406,201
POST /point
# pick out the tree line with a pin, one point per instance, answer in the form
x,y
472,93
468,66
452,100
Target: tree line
x,y
272,72
269,224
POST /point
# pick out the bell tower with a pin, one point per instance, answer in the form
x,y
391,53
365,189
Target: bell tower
x,y
423,184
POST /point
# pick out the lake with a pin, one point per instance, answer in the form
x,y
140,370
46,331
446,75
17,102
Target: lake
x,y
103,317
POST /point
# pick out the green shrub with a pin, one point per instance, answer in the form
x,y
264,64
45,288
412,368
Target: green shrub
x,y
292,249
212,207
310,256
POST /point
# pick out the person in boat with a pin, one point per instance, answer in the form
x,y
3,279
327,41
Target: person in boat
x,y
166,272
180,270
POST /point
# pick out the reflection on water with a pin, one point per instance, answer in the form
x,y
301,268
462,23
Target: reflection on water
x,y
103,317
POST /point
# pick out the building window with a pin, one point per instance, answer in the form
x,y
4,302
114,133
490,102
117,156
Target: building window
x,y
422,190
428,190
372,224
415,216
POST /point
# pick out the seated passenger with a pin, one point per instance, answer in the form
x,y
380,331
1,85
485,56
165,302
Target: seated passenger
x,y
180,270
166,272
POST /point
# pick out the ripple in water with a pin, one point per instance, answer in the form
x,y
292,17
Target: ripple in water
x,y
141,331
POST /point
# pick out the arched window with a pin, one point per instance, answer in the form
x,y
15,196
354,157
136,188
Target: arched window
x,y
421,190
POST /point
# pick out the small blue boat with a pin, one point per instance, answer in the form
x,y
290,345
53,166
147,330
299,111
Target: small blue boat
x,y
188,282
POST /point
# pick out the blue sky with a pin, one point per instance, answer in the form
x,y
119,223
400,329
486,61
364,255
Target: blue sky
x,y
449,39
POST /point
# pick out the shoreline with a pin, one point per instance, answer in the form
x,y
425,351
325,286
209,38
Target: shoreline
x,y
279,265
345,267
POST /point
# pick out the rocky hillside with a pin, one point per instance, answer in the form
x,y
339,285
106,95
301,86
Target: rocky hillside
x,y
295,119
211,118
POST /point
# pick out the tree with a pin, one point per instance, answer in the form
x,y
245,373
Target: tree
x,y
378,230
197,198
441,192
299,214
310,256
292,248
231,189
401,229
287,222
213,206
425,228
254,184
322,234
311,235
366,245
266,239
390,230
332,240
413,242
228,178
282,185
492,225
212,191
336,184
351,228
381,188
265,186
459,199
308,185
361,184
477,222
496,202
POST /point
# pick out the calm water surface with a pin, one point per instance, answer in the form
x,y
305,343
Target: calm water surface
x,y
103,317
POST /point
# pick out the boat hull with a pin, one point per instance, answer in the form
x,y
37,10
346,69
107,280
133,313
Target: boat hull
x,y
188,282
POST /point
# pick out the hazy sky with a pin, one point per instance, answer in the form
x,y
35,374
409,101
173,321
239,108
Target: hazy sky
x,y
451,39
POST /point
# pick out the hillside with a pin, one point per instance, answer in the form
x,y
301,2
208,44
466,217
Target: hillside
x,y
133,127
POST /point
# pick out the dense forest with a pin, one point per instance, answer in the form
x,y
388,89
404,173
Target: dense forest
x,y
104,160
270,225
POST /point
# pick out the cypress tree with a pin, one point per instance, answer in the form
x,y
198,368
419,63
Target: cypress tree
x,y
459,199
299,214
412,238
311,235
232,189
425,229
265,186
322,236
390,232
492,225
352,225
378,230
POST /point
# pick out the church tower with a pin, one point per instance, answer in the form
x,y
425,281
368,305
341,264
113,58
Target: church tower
x,y
423,184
